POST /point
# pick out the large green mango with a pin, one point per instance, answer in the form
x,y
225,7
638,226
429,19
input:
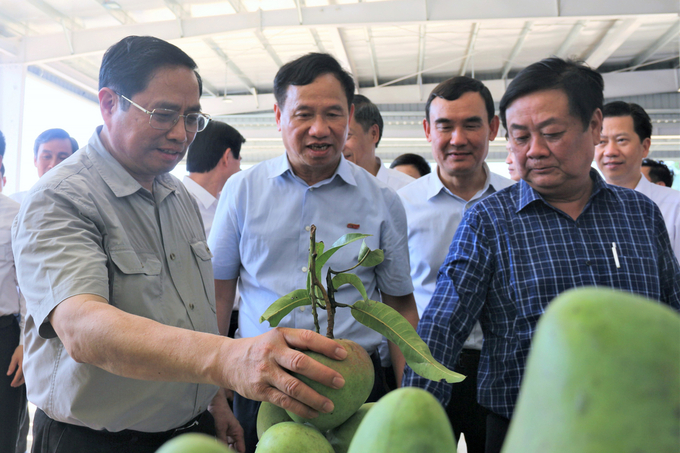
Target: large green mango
x,y
341,437
357,369
603,376
269,415
194,443
291,437
406,420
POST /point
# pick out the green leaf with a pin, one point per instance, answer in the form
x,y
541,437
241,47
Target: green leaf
x,y
374,257
353,280
388,322
282,306
337,245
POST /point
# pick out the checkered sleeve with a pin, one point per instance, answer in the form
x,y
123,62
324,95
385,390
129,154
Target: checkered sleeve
x,y
456,303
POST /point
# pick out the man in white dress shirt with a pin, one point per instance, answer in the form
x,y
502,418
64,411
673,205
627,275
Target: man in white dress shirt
x,y
365,132
625,141
212,158
12,388
460,122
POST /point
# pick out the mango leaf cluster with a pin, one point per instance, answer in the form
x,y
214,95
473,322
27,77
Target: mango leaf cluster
x,y
375,315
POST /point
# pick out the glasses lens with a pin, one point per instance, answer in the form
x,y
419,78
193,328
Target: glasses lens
x,y
163,119
196,122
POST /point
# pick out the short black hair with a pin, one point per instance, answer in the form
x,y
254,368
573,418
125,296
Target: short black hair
x,y
367,114
210,144
53,134
416,160
642,124
2,144
453,88
128,65
583,86
305,70
659,171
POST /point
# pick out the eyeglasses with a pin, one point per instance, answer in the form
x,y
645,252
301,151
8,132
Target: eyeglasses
x,y
164,119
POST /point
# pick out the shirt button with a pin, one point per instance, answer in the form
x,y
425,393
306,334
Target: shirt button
x,y
191,306
207,249
307,228
588,263
304,268
172,256
302,308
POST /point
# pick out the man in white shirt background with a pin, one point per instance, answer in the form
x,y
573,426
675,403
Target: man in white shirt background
x,y
459,123
51,147
625,141
365,132
212,158
12,305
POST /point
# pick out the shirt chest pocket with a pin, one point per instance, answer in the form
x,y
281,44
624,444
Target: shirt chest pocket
x,y
135,281
5,247
204,261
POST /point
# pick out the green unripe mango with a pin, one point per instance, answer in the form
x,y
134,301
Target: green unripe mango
x,y
357,370
269,415
341,437
406,420
603,376
194,443
291,437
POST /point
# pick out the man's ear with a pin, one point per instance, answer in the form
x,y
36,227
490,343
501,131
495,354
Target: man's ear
x,y
596,126
109,102
277,116
374,131
426,128
494,125
226,157
646,144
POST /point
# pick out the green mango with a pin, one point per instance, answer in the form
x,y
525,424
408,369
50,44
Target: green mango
x,y
603,376
269,415
291,437
357,369
341,436
194,443
406,420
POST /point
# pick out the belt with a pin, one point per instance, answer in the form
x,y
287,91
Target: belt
x,y
7,320
202,423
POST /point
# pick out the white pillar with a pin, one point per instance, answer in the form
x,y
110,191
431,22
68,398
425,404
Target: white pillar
x,y
12,90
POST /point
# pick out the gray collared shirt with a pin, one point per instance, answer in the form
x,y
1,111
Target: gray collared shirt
x,y
88,227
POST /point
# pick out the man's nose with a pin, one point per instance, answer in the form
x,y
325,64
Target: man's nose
x,y
319,127
178,132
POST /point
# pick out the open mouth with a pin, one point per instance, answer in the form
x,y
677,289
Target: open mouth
x,y
319,146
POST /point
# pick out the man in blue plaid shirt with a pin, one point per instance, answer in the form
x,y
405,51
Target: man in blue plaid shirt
x,y
562,226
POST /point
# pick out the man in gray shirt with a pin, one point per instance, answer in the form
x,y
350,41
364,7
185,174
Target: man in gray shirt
x,y
122,351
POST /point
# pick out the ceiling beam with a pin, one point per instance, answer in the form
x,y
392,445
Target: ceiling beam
x,y
616,85
268,47
237,5
56,15
371,49
612,40
470,48
667,37
388,12
342,55
119,14
240,75
518,47
421,53
563,50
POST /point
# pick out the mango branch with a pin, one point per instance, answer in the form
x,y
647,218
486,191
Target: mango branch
x,y
316,284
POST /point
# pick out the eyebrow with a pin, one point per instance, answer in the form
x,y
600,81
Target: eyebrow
x,y
540,125
472,119
170,106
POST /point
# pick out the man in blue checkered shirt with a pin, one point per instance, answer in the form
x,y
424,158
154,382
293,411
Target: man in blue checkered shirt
x,y
562,226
